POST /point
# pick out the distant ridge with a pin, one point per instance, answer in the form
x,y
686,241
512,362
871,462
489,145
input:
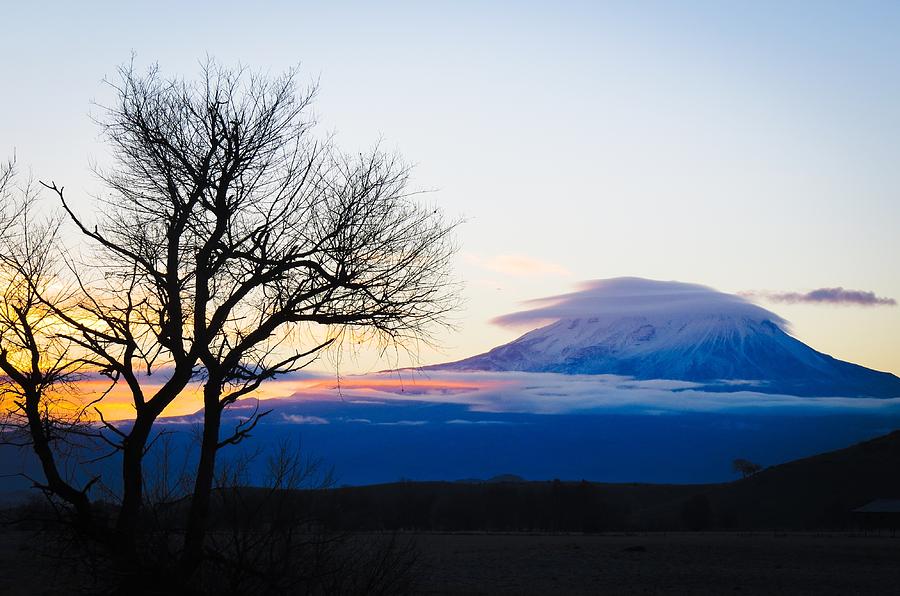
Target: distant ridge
x,y
498,479
812,493
670,330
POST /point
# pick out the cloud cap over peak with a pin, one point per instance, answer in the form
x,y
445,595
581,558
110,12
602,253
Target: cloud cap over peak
x,y
634,296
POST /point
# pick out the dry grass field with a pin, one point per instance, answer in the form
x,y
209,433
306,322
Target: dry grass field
x,y
673,563
571,564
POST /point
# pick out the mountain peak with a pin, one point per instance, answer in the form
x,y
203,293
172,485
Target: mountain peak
x,y
651,329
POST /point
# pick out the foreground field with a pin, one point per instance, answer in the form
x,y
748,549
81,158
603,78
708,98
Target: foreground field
x,y
680,563
571,564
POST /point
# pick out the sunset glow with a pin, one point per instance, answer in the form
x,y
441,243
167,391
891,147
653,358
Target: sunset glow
x,y
463,297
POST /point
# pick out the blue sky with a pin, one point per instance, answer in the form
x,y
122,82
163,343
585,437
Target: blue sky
x,y
750,147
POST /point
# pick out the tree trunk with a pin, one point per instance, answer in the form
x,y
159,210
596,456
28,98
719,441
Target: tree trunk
x,y
132,484
41,445
199,511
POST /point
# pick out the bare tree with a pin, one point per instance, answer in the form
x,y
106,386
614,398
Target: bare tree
x,y
39,408
233,247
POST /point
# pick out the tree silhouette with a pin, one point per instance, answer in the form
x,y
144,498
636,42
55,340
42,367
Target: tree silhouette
x,y
37,364
232,246
745,467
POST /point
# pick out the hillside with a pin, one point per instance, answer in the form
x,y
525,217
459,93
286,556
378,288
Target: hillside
x,y
817,491
812,493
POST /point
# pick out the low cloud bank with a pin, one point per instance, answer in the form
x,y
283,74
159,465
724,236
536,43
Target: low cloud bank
x,y
551,393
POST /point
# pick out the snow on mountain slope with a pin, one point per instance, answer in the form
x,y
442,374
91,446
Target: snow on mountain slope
x,y
668,330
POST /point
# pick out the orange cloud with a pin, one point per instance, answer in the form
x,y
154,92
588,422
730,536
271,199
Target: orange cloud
x,y
117,404
397,385
518,265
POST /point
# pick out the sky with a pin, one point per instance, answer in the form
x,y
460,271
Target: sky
x,y
750,147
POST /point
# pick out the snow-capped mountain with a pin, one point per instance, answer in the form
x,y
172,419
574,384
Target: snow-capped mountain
x,y
669,330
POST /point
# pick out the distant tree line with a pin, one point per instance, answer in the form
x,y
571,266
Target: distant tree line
x,y
561,506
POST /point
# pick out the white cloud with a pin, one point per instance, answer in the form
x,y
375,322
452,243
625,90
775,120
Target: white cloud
x,y
461,421
392,423
297,419
623,296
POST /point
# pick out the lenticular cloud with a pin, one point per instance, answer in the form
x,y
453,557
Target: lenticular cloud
x,y
827,296
624,296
